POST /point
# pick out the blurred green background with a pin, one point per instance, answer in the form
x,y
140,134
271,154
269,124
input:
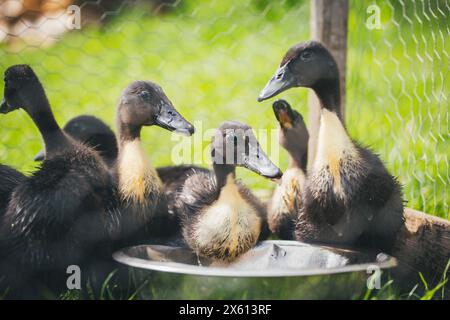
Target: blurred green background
x,y
213,57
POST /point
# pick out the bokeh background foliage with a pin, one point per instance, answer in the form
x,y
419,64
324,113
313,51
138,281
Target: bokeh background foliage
x,y
213,57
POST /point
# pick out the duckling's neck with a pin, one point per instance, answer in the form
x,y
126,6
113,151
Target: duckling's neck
x,y
334,147
54,138
298,159
230,195
224,172
328,92
128,132
137,178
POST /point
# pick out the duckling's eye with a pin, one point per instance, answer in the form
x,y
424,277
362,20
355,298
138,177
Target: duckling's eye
x,y
306,55
144,95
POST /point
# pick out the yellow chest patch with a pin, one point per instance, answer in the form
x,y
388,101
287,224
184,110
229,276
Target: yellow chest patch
x,y
229,227
286,199
137,177
333,144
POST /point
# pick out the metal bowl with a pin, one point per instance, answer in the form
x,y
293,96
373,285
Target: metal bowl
x,y
271,270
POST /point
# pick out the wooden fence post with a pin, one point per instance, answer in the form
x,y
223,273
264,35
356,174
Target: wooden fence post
x,y
328,25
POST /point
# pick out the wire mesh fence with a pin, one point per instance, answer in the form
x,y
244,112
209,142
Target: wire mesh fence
x,y
213,57
398,89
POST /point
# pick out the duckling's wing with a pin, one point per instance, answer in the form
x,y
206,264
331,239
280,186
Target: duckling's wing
x,y
9,179
199,190
382,193
113,213
173,179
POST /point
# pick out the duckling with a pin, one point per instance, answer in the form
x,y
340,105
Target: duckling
x,y
287,198
221,219
142,199
9,179
350,197
93,132
61,214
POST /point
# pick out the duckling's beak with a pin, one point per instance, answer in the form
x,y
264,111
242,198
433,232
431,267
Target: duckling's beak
x,y
40,156
259,162
169,118
5,107
282,80
283,113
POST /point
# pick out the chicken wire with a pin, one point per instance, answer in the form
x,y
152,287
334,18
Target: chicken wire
x,y
213,57
407,58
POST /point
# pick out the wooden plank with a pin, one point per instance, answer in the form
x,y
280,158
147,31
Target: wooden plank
x,y
422,245
329,23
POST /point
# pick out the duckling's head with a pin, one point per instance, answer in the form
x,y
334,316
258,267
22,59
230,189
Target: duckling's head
x,y
93,132
22,89
234,144
308,64
144,103
293,133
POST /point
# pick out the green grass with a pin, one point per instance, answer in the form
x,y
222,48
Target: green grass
x,y
421,291
213,57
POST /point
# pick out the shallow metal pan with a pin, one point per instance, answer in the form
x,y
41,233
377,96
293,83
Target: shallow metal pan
x,y
272,270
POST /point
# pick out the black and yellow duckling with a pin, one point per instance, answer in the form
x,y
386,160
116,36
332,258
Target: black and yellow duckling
x,y
221,219
350,197
142,200
61,214
94,133
286,200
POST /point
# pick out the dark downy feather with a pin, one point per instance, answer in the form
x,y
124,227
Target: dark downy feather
x,y
9,179
369,216
59,218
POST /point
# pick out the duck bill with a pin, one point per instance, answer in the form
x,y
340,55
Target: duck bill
x,y
40,156
260,163
283,113
5,107
281,81
170,119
